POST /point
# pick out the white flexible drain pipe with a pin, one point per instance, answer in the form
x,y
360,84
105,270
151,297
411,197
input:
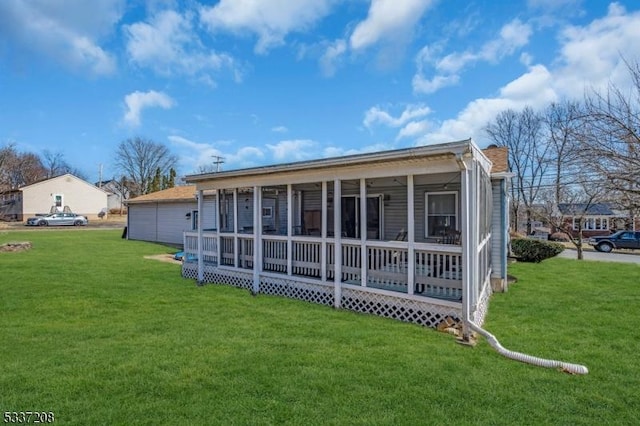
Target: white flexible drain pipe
x,y
529,359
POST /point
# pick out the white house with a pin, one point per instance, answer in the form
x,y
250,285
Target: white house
x,y
63,191
163,216
415,234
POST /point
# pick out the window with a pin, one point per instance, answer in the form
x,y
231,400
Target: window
x,y
441,213
267,212
591,223
194,220
58,202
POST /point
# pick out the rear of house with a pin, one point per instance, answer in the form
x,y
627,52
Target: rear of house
x,y
417,234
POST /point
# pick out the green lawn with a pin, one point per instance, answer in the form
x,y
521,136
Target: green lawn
x,y
95,333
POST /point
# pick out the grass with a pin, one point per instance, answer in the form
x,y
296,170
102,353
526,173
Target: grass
x,y
99,335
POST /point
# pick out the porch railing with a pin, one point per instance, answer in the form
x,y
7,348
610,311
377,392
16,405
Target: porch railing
x,y
437,268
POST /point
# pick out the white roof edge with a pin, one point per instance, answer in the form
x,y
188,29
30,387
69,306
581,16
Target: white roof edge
x,y
425,150
42,182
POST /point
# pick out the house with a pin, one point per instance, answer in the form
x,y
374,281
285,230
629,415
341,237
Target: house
x,y
416,234
63,191
11,205
116,194
593,218
163,216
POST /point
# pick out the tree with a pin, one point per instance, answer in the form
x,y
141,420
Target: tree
x,y
56,165
139,158
521,133
611,136
19,169
562,124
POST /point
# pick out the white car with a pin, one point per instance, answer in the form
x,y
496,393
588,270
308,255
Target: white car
x,y
58,219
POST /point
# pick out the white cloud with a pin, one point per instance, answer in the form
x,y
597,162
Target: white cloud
x,y
279,129
376,115
194,155
387,19
332,56
535,89
168,44
591,57
413,129
269,20
334,151
513,36
66,31
292,150
137,101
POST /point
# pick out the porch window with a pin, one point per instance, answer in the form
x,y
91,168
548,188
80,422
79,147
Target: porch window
x,y
441,213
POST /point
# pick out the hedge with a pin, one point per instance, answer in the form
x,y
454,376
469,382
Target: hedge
x,y
529,250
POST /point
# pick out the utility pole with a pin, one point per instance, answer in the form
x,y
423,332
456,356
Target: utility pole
x,y
100,177
218,161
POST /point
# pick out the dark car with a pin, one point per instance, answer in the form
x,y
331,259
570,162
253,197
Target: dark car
x,y
619,240
58,219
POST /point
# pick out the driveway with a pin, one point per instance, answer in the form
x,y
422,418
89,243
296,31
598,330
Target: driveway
x,y
617,256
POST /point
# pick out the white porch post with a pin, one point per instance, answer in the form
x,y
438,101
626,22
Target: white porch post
x,y
218,226
199,221
337,245
289,229
363,232
411,236
323,233
257,237
236,244
469,244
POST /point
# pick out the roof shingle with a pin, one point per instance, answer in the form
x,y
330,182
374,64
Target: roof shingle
x,y
177,193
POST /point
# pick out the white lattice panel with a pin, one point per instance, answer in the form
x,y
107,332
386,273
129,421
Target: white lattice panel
x,y
483,305
414,311
297,290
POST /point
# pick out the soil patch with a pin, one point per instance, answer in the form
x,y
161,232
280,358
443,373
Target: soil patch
x,y
164,258
15,246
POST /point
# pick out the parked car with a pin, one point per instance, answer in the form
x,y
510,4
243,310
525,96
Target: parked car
x,y
58,219
621,239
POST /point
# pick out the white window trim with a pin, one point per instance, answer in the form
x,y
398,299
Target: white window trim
x,y
426,208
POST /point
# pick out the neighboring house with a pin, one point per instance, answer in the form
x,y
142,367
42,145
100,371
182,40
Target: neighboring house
x,y
164,216
63,191
416,234
11,205
115,197
596,218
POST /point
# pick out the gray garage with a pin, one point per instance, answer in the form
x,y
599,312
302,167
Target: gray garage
x,y
163,216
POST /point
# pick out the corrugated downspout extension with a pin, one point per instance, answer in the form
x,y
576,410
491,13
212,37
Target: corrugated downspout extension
x,y
529,359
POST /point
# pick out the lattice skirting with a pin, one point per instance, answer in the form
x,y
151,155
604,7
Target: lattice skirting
x,y
315,293
414,311
214,275
407,310
483,304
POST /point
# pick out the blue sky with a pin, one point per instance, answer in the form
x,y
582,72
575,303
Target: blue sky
x,y
270,81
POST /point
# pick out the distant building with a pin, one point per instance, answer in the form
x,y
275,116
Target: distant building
x,y
63,191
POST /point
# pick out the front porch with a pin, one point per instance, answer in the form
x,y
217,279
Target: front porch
x,y
406,238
